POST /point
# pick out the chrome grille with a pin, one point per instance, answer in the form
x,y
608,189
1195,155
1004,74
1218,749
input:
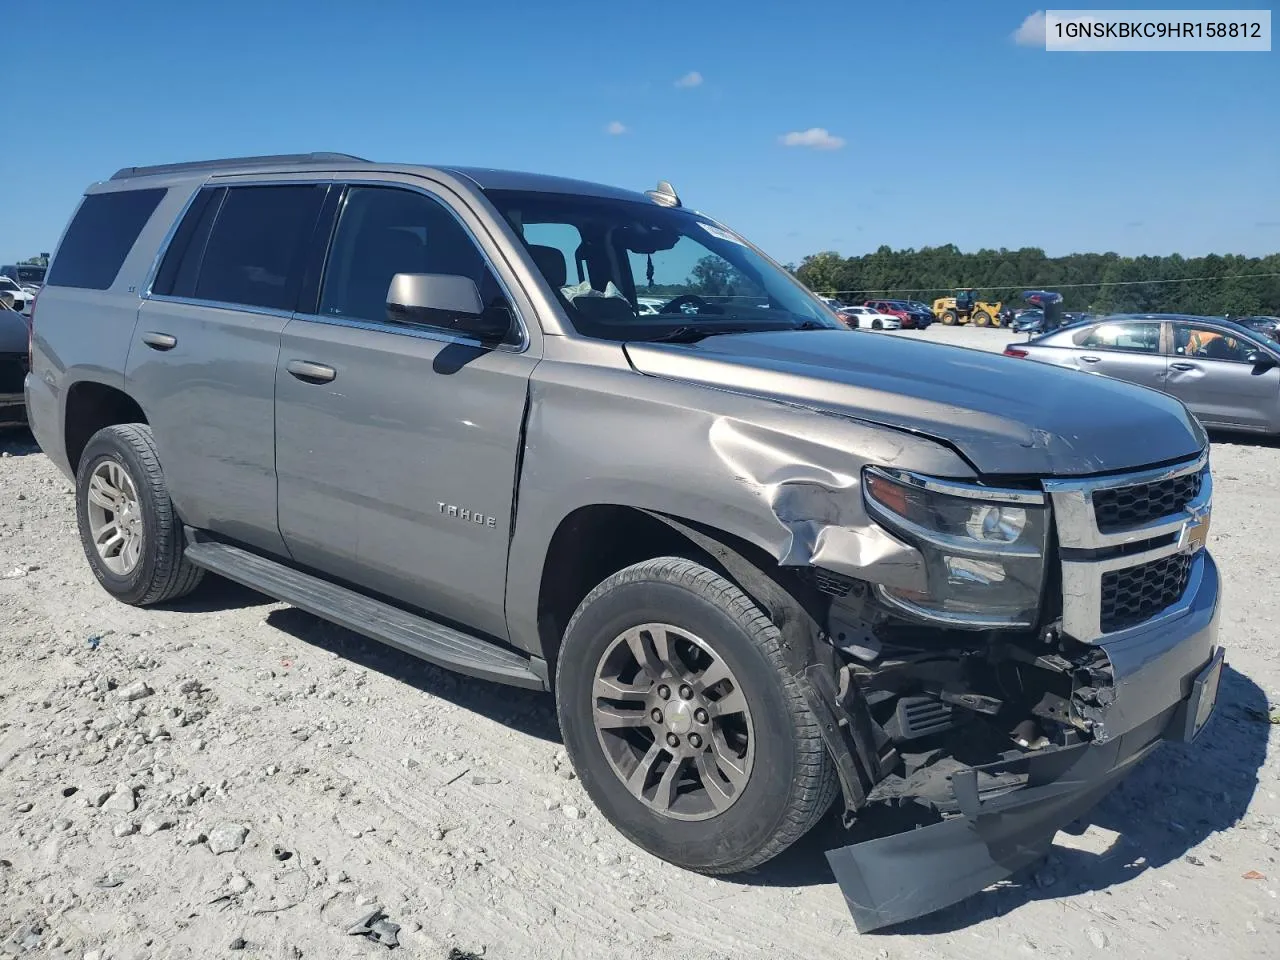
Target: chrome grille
x,y
1131,545
1120,508
1135,594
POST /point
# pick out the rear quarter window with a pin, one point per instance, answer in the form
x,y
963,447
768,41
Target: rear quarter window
x,y
102,232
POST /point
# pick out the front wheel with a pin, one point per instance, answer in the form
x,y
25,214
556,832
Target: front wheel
x,y
683,721
130,532
982,319
877,325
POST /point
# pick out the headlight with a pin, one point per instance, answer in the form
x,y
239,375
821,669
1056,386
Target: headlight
x,y
984,548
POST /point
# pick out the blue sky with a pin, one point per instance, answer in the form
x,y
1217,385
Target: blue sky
x,y
952,131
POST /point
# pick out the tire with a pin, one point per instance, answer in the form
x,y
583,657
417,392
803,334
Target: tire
x,y
982,319
790,780
949,318
161,571
877,325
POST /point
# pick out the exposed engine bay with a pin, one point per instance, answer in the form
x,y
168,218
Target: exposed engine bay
x,y
999,738
938,701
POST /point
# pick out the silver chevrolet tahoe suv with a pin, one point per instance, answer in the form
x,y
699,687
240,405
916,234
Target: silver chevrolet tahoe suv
x,y
761,560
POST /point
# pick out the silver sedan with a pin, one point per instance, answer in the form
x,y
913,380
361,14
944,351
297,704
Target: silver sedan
x,y
1226,374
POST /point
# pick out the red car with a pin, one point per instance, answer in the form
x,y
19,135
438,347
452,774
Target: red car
x,y
888,306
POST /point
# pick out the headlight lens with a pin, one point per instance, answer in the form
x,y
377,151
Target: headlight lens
x,y
984,548
996,524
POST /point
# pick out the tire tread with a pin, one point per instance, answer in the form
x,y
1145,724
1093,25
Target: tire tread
x,y
174,576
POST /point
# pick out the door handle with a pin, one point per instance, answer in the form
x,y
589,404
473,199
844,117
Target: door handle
x,y
159,341
1183,366
1090,359
309,372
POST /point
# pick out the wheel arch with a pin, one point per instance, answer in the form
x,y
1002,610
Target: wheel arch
x,y
593,542
89,406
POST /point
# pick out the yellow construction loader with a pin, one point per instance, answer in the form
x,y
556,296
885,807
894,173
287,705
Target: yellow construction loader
x,y
965,307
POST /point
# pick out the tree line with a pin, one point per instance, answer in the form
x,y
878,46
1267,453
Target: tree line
x,y
1213,285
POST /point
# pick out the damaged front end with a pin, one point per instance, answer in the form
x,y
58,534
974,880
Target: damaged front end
x,y
1001,720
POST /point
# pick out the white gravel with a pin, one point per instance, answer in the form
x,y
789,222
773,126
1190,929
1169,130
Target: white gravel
x,y
283,778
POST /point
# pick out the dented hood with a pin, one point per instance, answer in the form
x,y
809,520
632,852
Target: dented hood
x,y
1005,415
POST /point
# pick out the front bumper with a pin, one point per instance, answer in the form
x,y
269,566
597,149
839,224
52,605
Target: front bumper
x,y
1166,684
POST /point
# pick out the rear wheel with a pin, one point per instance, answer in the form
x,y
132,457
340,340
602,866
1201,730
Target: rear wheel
x,y
130,533
683,722
982,319
949,317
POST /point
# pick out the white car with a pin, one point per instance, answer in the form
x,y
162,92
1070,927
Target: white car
x,y
649,306
21,299
865,317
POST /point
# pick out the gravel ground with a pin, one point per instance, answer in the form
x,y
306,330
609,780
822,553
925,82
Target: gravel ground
x,y
230,775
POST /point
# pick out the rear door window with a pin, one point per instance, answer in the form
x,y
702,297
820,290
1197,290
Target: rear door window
x,y
1138,337
100,236
256,249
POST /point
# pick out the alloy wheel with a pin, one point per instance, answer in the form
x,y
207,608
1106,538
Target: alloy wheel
x,y
673,722
115,517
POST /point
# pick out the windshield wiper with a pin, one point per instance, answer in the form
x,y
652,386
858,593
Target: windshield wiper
x,y
694,334
689,334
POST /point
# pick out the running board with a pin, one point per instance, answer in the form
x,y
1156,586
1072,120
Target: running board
x,y
433,642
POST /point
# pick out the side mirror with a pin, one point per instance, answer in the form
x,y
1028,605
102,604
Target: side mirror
x,y
1261,361
445,301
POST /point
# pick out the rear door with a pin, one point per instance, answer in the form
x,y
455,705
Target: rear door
x,y
203,361
1124,350
1210,371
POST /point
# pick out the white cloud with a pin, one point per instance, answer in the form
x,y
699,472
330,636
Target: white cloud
x,y
616,128
691,79
1031,33
815,137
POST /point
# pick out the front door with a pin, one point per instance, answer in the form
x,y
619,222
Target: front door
x,y
397,443
1210,372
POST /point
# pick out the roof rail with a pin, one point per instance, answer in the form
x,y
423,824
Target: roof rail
x,y
264,161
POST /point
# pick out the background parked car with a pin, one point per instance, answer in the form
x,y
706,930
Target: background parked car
x,y
13,366
29,276
872,319
849,317
1227,374
911,319
14,296
1027,321
1032,321
1267,326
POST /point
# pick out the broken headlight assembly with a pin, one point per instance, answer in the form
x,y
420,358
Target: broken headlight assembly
x,y
984,548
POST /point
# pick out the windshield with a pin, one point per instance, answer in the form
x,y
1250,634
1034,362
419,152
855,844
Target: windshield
x,y
7,284
607,258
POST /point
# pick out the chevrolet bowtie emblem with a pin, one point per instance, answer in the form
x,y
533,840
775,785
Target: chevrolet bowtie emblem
x,y
1196,532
